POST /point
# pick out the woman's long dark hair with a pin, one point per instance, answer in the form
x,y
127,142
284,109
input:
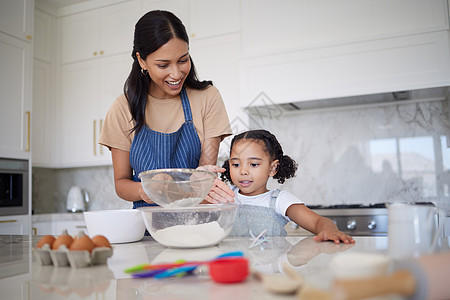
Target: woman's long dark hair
x,y
287,166
153,30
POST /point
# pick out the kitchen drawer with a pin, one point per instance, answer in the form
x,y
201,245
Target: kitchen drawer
x,y
57,227
18,224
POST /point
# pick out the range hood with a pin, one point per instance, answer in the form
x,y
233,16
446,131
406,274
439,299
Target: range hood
x,y
428,94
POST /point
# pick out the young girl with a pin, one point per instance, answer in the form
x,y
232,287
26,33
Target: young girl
x,y
255,156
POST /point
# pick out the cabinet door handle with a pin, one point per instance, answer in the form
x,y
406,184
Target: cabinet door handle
x,y
101,126
95,53
95,137
8,221
27,149
81,227
34,230
101,52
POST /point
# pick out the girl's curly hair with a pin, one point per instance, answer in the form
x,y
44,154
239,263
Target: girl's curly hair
x,y
287,166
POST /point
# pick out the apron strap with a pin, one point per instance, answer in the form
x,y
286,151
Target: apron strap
x,y
186,106
273,198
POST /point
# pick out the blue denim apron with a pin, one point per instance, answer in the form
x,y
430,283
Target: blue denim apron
x,y
157,150
258,218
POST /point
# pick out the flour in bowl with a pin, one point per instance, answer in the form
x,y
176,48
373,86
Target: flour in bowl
x,y
185,202
190,236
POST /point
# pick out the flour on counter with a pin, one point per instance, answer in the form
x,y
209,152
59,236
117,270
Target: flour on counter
x,y
190,236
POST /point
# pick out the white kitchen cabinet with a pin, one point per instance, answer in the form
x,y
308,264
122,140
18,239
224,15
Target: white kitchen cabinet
x,y
43,115
56,228
19,224
77,114
16,18
95,50
95,33
202,18
180,8
369,67
42,228
15,100
44,41
270,26
44,90
224,72
210,18
87,90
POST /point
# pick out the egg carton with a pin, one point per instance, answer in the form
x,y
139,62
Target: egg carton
x,y
63,257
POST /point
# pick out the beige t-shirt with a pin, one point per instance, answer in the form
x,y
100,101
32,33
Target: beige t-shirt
x,y
166,115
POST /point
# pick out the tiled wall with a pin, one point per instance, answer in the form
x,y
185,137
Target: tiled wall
x,y
359,154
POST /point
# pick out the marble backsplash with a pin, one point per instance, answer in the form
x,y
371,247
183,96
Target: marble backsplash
x,y
51,186
349,155
367,154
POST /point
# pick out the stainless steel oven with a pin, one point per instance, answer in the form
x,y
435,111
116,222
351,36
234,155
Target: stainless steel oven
x,y
13,187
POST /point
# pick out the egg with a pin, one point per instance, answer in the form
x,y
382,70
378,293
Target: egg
x,y
82,242
48,239
101,241
63,239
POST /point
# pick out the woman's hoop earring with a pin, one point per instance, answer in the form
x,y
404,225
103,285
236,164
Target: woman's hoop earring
x,y
144,72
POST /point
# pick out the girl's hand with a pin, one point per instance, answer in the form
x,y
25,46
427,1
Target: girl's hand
x,y
334,235
220,192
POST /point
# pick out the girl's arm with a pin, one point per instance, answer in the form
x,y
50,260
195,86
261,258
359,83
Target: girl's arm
x,y
323,227
126,188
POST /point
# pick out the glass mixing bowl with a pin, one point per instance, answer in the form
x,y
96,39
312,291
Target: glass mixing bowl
x,y
192,227
177,187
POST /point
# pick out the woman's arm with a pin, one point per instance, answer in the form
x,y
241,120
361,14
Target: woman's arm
x,y
126,188
220,192
210,150
323,227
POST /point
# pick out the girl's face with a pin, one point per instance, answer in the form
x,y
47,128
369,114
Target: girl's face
x,y
168,68
251,167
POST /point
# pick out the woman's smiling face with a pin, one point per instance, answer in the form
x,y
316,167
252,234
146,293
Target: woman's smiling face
x,y
168,68
251,167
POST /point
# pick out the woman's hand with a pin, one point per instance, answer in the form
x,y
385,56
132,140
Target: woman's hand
x,y
143,195
220,192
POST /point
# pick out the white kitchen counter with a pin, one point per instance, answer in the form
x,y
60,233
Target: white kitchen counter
x,y
20,275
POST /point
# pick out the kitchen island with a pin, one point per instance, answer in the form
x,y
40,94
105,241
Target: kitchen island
x,y
21,277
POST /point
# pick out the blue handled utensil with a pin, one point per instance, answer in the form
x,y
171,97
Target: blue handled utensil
x,y
191,267
151,273
174,269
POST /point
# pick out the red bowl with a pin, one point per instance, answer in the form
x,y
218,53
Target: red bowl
x,y
229,270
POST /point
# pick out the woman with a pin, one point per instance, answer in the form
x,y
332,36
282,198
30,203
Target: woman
x,y
166,118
